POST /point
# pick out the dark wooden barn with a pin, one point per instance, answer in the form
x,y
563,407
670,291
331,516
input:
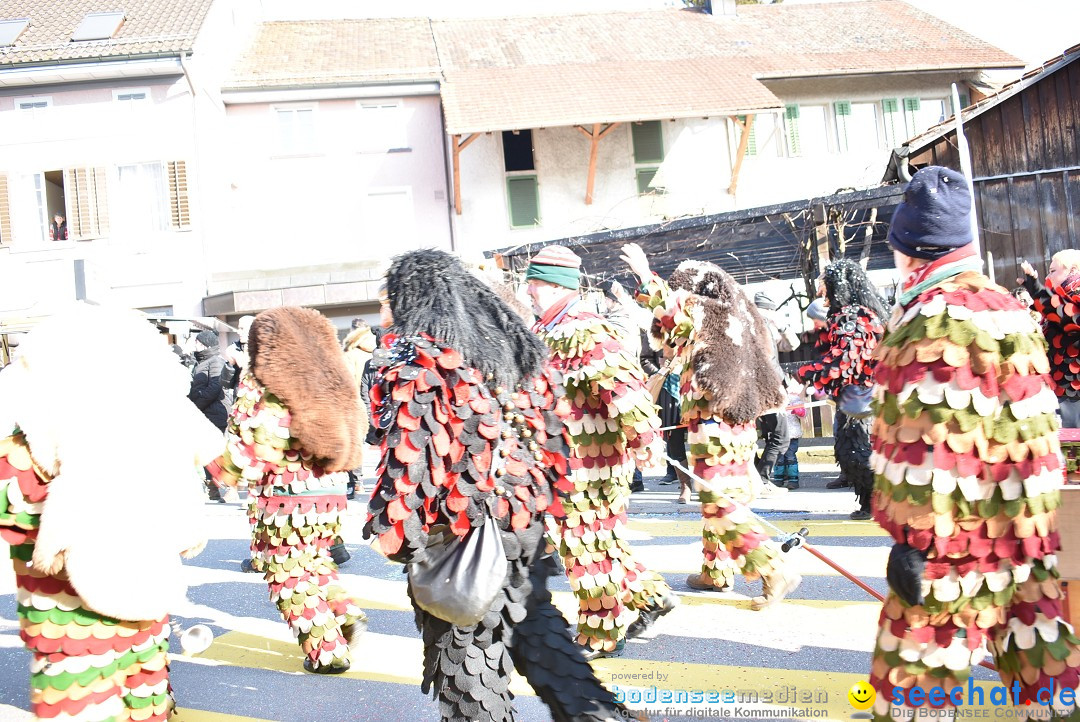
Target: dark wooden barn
x,y
1025,151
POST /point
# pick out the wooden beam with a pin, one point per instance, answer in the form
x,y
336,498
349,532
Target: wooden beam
x,y
594,136
594,147
457,145
744,142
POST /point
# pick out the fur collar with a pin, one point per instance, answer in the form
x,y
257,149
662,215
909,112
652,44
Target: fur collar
x,y
432,293
732,355
295,355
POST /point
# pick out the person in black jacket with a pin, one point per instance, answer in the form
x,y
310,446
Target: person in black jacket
x,y
209,379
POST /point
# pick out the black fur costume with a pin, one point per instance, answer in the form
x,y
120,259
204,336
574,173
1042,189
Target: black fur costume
x,y
462,376
852,331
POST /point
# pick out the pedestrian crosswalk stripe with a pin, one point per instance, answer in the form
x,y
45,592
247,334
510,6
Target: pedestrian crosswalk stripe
x,y
825,528
386,658
391,597
185,714
686,558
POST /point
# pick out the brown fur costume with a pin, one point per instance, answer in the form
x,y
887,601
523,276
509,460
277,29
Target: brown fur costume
x,y
732,354
296,356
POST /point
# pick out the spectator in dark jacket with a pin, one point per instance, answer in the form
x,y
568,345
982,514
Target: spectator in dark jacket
x,y
367,378
211,376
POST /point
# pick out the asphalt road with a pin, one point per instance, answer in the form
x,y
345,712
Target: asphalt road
x,y
805,652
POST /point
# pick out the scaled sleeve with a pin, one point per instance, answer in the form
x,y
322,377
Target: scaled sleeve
x,y
422,451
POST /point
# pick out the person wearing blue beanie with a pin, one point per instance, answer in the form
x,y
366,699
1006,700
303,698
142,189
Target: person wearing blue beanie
x,y
934,218
965,446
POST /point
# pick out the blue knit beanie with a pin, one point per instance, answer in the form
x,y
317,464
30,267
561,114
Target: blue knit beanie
x,y
935,216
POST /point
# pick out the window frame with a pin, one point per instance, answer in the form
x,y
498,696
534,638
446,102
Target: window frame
x,y
364,105
116,193
279,150
535,177
648,164
47,99
376,191
117,92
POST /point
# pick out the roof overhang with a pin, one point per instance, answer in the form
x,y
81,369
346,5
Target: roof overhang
x,y
863,72
483,100
322,295
282,94
60,73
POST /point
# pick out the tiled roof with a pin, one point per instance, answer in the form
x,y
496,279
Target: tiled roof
x,y
150,27
323,52
527,72
878,36
484,99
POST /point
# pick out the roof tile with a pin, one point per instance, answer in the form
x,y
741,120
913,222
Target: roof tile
x,y
150,27
308,53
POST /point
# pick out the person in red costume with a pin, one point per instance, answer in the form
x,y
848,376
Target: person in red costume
x,y
1058,303
845,370
471,419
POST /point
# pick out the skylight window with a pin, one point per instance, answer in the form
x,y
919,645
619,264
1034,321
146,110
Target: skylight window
x,y
10,30
98,26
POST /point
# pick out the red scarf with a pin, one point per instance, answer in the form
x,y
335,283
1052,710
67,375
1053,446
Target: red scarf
x,y
556,309
917,276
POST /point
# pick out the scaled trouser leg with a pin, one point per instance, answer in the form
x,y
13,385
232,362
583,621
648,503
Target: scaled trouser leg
x,y
301,574
545,653
609,583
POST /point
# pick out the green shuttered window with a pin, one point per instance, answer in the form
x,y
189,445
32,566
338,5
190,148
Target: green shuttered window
x,y
791,121
751,144
523,196
648,142
842,110
894,124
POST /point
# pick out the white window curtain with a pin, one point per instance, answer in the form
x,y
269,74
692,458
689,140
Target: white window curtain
x,y
141,205
29,220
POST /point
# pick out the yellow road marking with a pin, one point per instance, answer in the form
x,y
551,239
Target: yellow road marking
x,y
183,714
377,659
823,528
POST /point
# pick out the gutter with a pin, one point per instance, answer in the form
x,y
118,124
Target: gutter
x,y
110,69
335,91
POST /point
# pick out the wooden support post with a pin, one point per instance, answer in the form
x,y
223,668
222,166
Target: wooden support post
x,y
744,142
821,235
594,136
594,146
457,145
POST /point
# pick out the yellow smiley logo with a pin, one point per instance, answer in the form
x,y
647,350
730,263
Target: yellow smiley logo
x,y
861,695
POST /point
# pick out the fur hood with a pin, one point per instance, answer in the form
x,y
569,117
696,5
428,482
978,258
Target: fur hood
x,y
295,355
431,292
125,466
360,338
732,354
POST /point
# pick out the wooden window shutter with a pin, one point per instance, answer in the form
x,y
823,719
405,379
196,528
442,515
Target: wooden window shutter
x,y
890,109
5,211
645,178
648,142
524,201
751,144
911,107
87,206
179,207
842,110
791,118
